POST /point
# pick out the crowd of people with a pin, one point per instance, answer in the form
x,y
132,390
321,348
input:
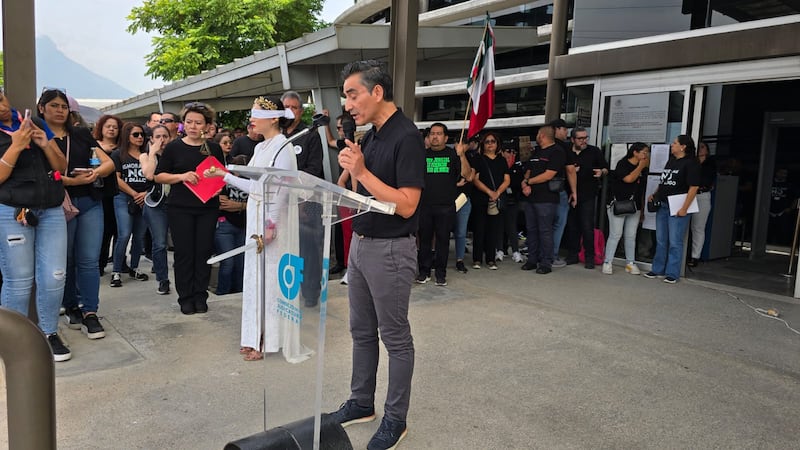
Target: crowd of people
x,y
72,200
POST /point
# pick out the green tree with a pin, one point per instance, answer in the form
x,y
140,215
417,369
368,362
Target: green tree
x,y
197,35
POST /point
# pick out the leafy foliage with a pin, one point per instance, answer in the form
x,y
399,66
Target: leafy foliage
x,y
197,35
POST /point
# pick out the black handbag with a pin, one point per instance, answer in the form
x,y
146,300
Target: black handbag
x,y
133,208
624,207
556,184
653,205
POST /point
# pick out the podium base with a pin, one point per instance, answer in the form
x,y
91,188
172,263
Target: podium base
x,y
296,436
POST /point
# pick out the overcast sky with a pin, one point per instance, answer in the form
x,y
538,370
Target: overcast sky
x,y
92,33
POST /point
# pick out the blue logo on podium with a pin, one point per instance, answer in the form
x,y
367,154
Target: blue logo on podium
x,y
290,275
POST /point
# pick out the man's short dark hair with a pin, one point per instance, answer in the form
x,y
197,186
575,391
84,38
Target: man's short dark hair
x,y
372,73
150,117
558,123
440,125
577,130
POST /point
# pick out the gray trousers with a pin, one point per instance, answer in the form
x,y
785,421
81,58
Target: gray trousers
x,y
380,273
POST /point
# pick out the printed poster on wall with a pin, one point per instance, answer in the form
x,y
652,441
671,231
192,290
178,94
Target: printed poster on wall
x,y
638,118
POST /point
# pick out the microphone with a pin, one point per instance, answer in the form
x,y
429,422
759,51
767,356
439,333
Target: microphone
x,y
348,126
317,121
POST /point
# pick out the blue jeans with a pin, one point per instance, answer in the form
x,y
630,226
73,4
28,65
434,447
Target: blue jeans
x,y
562,211
231,270
462,218
670,231
34,254
156,219
84,237
127,225
621,227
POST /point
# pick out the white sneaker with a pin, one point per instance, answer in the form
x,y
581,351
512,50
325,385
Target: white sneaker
x,y
632,268
607,269
517,257
499,255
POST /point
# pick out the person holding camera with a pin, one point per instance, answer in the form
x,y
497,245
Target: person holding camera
x,y
34,250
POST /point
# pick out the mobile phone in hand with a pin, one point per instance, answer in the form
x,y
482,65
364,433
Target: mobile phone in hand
x,y
26,119
79,171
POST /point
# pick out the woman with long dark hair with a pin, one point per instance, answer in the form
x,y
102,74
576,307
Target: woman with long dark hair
x,y
106,133
129,201
192,222
491,180
86,165
681,175
626,184
31,194
155,206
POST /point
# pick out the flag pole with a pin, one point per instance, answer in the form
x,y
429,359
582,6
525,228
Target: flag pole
x,y
469,102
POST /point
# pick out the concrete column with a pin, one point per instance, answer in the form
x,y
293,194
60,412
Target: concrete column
x,y
19,52
558,44
403,53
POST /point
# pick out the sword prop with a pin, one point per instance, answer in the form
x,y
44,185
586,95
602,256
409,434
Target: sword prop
x,y
257,243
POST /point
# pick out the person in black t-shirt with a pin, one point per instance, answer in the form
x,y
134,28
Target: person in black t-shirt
x,y
627,183
590,165
708,177
681,175
569,195
383,253
129,201
231,232
245,145
437,210
782,208
192,222
540,202
491,180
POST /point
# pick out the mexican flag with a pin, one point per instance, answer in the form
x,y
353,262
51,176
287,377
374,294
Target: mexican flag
x,y
481,83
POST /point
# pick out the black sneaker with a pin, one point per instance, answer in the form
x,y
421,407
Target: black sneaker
x,y
163,287
388,436
91,326
542,270
529,265
60,351
116,280
422,278
74,318
651,275
350,413
139,276
441,281
670,280
461,267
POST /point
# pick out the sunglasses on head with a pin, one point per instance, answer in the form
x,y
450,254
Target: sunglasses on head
x,y
137,134
166,121
195,105
50,88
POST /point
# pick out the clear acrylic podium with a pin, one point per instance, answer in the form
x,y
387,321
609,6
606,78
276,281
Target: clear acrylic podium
x,y
303,209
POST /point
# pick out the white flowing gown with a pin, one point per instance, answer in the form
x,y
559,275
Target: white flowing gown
x,y
280,333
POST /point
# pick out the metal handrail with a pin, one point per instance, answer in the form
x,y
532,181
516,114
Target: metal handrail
x,y
30,383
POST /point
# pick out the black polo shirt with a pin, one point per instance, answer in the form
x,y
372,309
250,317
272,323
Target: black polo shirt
x,y
396,156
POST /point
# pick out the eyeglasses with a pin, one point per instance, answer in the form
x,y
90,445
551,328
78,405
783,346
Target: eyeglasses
x,y
166,121
137,134
490,141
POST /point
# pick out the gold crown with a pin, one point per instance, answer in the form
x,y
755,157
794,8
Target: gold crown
x,y
266,104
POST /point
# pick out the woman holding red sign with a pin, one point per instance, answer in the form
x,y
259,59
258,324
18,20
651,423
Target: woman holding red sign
x,y
191,220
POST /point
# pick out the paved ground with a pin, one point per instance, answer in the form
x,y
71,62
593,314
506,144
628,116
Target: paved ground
x,y
504,360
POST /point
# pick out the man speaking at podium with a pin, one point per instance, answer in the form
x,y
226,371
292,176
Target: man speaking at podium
x,y
390,166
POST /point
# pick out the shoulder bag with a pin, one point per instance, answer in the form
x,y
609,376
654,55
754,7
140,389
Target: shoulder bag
x,y
494,207
624,207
